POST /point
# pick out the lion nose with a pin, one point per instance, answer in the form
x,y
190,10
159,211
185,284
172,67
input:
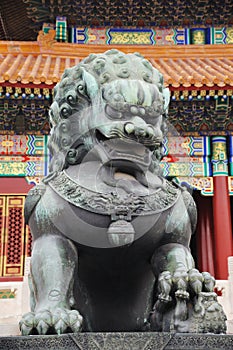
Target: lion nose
x,y
139,128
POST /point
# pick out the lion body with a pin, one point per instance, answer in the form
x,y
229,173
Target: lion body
x,y
110,234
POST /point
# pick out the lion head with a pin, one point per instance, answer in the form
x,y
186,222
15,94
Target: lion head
x,y
112,104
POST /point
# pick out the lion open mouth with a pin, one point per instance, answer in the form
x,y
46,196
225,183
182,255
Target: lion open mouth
x,y
124,149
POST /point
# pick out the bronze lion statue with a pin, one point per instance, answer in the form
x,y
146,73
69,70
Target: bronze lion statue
x,y
111,234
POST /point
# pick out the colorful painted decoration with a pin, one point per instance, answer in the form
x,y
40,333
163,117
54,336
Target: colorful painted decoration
x,y
139,36
135,14
219,156
198,36
23,155
61,29
130,36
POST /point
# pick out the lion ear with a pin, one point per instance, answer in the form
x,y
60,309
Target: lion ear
x,y
91,84
166,96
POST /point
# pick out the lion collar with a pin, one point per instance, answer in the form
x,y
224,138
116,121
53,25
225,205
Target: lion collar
x,y
112,203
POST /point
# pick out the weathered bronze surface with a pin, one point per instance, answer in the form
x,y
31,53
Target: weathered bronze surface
x,y
111,235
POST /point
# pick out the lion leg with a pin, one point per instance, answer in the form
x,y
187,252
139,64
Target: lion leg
x,y
171,264
53,263
52,267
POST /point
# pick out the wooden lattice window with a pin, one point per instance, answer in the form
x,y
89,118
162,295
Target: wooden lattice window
x,y
15,238
2,230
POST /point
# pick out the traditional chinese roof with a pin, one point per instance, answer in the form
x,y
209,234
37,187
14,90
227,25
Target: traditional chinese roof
x,y
23,21
200,78
183,67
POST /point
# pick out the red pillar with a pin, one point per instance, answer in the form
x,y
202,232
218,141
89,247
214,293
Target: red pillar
x,y
222,226
221,208
205,234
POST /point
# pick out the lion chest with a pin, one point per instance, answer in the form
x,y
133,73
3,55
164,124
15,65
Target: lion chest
x,y
104,219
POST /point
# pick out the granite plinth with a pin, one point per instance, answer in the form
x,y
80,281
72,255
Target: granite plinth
x,y
119,341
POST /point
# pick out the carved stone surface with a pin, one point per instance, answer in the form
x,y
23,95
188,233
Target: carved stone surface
x,y
120,341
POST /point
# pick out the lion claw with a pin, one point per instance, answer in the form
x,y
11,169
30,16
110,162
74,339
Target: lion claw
x,y
76,321
25,330
27,323
60,320
60,327
42,327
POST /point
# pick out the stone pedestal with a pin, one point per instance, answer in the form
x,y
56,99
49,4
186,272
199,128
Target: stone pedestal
x,y
119,341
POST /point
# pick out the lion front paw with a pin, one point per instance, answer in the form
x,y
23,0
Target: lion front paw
x,y
56,321
186,298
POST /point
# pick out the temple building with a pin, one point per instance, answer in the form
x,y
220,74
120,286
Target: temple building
x,y
191,44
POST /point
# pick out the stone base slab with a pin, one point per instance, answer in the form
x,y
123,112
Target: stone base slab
x,y
119,341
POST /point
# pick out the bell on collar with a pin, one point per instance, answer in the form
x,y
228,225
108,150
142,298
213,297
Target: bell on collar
x,y
120,233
